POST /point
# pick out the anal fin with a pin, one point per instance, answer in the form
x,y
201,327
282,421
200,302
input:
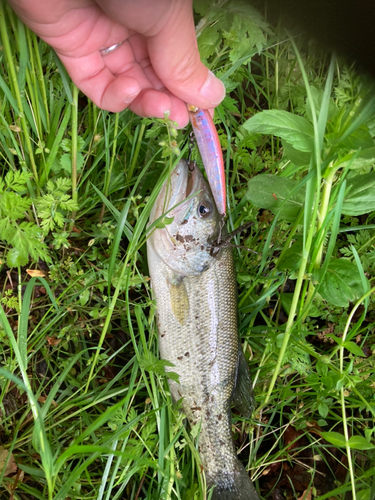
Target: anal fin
x,y
243,397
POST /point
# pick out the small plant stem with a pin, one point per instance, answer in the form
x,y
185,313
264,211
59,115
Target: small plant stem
x,y
292,232
16,90
109,172
74,149
289,325
349,320
106,326
39,74
19,290
345,424
281,256
74,142
348,451
136,152
322,214
33,84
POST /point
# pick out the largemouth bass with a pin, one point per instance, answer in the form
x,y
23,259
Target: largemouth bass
x,y
194,285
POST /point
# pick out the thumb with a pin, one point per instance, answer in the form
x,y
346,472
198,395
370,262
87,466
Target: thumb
x,y
175,58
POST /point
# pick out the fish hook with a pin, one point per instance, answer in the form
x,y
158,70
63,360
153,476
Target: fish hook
x,y
220,243
191,145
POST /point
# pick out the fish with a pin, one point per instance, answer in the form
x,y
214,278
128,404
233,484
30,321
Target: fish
x,y
194,285
212,156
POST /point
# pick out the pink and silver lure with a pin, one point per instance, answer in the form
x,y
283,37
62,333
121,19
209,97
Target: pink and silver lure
x,y
209,147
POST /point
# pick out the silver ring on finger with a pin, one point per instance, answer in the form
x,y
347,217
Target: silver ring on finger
x,y
108,50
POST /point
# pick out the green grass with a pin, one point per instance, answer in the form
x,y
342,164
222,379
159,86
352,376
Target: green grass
x,y
85,407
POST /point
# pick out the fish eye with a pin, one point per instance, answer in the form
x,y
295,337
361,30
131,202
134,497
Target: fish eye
x,y
204,209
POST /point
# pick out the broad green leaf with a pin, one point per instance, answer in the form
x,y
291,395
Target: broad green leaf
x,y
270,191
357,159
334,438
202,6
323,410
292,256
359,139
244,35
329,381
317,96
365,494
286,302
299,158
294,129
341,283
208,42
338,340
17,257
360,443
360,198
353,348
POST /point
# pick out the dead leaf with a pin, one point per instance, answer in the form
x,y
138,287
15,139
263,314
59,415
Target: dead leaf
x,y
306,495
42,399
272,468
53,341
15,128
35,273
10,467
291,436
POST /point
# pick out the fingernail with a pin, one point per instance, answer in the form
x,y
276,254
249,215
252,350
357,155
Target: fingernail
x,y
213,89
130,98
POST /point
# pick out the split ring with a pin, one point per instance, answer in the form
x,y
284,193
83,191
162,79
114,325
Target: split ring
x,y
109,50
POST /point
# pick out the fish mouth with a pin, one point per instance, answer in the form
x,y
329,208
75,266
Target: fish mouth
x,y
176,197
185,182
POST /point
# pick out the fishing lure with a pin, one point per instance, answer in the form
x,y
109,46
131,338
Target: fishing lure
x,y
209,147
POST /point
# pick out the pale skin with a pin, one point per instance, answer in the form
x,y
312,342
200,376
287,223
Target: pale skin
x,y
156,69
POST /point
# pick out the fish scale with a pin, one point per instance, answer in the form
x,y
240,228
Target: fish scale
x,y
197,326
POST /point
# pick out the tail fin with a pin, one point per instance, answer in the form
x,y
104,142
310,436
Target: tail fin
x,y
236,486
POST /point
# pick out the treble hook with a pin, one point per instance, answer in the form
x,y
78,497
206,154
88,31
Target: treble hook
x,y
191,145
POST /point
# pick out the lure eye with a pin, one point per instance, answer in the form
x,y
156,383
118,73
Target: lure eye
x,y
204,210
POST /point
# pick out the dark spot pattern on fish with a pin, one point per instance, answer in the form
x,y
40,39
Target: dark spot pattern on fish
x,y
187,354
179,358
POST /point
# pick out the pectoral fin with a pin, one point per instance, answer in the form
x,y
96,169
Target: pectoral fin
x,y
243,397
179,301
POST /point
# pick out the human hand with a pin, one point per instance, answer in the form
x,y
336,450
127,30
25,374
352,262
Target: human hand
x,y
156,68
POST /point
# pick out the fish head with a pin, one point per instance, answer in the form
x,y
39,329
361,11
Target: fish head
x,y
185,245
